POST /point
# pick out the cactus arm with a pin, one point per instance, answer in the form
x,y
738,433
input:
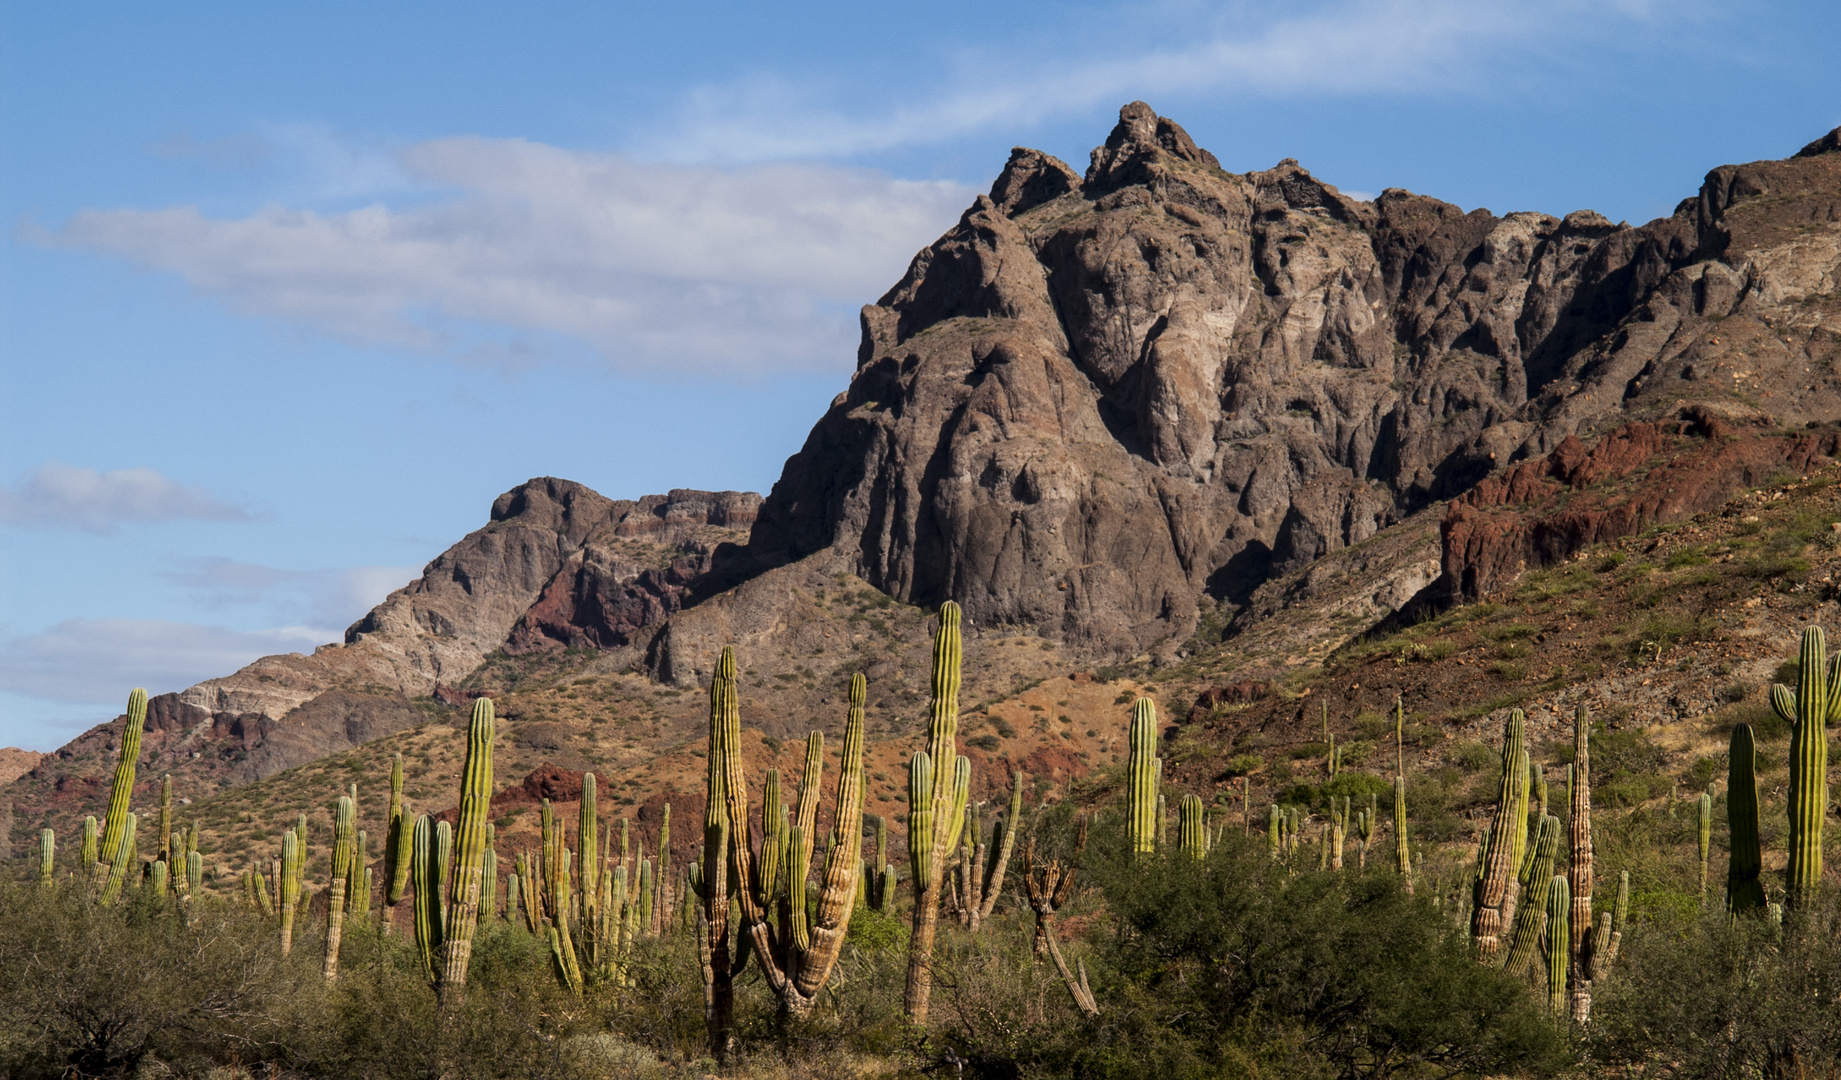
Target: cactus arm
x,y
398,845
1559,908
844,862
1191,836
1013,814
1807,711
47,854
588,860
121,789
1531,916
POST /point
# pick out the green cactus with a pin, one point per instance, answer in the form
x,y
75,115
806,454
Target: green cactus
x,y
361,908
1744,892
561,901
157,880
1339,827
194,873
662,878
122,788
425,883
399,848
644,906
47,852
992,886
1579,865
588,867
1192,831
124,857
489,882
1531,916
1275,831
166,819
1808,709
1620,914
344,845
90,854
1142,773
1492,907
1404,862
290,887
1559,909
1704,836
357,900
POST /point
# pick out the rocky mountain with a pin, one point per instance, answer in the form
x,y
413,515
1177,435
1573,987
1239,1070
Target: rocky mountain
x,y
1121,413
1104,403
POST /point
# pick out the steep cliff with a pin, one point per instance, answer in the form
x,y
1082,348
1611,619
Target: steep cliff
x,y
1102,404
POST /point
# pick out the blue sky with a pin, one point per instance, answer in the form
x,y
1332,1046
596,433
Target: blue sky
x,y
290,292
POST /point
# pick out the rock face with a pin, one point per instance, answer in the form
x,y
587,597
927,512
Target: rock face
x,y
1100,402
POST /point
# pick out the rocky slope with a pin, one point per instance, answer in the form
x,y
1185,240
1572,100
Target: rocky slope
x,y
1103,402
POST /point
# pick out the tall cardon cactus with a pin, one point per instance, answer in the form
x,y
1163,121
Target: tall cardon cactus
x,y
469,853
1703,835
425,884
933,805
290,887
344,847
1579,867
1143,770
1559,912
1531,915
47,853
121,789
1492,903
1403,859
1744,892
1808,709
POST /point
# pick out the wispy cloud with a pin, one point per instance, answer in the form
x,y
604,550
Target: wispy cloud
x,y
330,599
654,267
56,495
97,661
1344,47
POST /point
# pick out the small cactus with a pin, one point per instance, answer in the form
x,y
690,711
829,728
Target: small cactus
x,y
1193,830
1559,908
47,852
1704,836
290,887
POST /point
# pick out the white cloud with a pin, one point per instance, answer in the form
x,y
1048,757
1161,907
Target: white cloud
x,y
659,267
69,496
1346,47
97,661
332,599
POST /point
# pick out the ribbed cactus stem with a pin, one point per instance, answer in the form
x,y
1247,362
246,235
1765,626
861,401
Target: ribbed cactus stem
x,y
1620,913
588,862
1531,916
166,819
663,878
489,883
290,887
1559,911
399,846
1192,831
425,883
157,880
194,872
92,834
1807,710
470,852
1744,892
344,848
1339,826
1275,831
993,885
124,857
121,789
47,854
1141,824
1490,911
1704,836
1403,860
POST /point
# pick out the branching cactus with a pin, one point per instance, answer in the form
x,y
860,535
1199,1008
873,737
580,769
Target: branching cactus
x,y
399,847
470,853
1192,831
121,789
1559,911
797,956
47,854
1531,916
290,887
1808,709
1744,892
344,845
933,807
425,885
1143,770
1403,860
1491,905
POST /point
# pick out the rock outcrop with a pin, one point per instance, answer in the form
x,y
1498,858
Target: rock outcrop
x,y
1101,401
